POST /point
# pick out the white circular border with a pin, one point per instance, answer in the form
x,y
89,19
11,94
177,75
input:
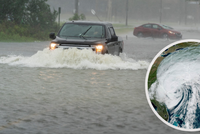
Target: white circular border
x,y
146,84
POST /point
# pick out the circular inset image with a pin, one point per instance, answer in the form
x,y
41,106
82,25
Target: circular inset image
x,y
173,85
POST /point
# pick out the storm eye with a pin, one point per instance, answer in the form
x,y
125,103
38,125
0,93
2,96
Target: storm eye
x,y
177,91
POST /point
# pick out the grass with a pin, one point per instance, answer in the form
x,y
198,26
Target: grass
x,y
16,38
12,32
122,28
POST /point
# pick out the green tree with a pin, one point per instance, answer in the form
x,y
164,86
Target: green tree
x,y
31,12
38,13
26,18
12,10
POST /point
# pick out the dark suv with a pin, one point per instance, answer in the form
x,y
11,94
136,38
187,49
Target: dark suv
x,y
98,36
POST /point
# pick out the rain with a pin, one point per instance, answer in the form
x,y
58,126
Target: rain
x,y
72,91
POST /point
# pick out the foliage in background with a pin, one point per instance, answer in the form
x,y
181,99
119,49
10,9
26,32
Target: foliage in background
x,y
26,18
78,17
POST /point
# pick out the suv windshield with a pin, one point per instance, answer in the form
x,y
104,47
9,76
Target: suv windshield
x,y
82,30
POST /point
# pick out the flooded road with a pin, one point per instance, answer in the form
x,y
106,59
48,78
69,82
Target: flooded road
x,y
45,99
40,100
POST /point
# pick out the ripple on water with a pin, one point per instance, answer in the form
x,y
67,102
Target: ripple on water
x,y
56,100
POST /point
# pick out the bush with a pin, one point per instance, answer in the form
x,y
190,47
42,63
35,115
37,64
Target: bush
x,y
30,19
13,32
78,17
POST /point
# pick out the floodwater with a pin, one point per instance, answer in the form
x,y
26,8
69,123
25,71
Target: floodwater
x,y
62,100
69,91
43,93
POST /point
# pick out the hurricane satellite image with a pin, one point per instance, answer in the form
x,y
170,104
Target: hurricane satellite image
x,y
174,85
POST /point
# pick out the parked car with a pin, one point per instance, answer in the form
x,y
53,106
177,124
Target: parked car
x,y
156,31
98,36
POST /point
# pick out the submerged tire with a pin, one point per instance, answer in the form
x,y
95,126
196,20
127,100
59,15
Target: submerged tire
x,y
165,37
140,35
120,51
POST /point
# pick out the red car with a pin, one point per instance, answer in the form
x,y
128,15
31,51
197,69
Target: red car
x,y
156,31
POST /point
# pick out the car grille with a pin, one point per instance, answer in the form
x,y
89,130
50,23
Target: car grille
x,y
75,45
78,46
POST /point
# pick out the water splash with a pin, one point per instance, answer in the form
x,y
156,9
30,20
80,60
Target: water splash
x,y
76,59
178,87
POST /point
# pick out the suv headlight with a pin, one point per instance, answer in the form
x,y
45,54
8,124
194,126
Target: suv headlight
x,y
99,48
53,46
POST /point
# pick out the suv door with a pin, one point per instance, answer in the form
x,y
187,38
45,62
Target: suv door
x,y
111,44
116,42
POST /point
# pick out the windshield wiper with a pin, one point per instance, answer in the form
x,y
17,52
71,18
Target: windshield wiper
x,y
85,32
82,36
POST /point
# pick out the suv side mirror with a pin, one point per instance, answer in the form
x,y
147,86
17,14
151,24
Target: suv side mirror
x,y
114,38
52,35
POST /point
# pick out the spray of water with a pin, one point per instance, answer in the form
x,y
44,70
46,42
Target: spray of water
x,y
76,59
178,87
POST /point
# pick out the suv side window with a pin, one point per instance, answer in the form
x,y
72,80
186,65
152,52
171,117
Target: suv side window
x,y
112,31
109,33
